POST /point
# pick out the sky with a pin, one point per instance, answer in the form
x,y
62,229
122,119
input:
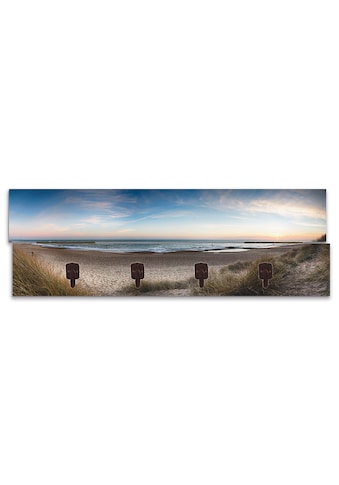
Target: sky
x,y
253,215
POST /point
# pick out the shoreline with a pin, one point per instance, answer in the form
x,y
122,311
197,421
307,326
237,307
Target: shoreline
x,y
106,273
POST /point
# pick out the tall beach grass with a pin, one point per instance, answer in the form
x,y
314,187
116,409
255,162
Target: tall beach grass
x,y
32,277
303,271
157,287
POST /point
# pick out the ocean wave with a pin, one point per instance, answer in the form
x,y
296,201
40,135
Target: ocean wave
x,y
163,246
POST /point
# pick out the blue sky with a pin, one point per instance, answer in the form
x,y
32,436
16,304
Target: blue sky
x,y
187,214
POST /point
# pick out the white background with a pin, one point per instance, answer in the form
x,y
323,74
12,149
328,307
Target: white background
x,y
159,94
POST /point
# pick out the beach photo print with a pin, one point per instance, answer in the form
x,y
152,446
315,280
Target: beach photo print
x,y
169,242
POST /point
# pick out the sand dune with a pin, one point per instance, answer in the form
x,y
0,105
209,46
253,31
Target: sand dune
x,y
106,273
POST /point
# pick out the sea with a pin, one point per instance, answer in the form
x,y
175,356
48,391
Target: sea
x,y
159,245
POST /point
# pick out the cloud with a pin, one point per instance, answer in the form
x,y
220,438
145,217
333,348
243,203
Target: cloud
x,y
92,220
287,203
122,231
165,214
100,196
92,204
286,208
108,202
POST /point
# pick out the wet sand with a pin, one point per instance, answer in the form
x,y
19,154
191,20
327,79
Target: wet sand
x,y
106,273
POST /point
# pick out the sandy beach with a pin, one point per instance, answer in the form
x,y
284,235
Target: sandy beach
x,y
107,273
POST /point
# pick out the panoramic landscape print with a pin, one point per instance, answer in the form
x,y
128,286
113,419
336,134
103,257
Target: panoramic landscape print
x,y
144,242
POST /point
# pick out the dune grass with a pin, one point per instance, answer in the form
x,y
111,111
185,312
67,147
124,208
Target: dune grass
x,y
245,282
32,277
236,267
147,286
302,271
